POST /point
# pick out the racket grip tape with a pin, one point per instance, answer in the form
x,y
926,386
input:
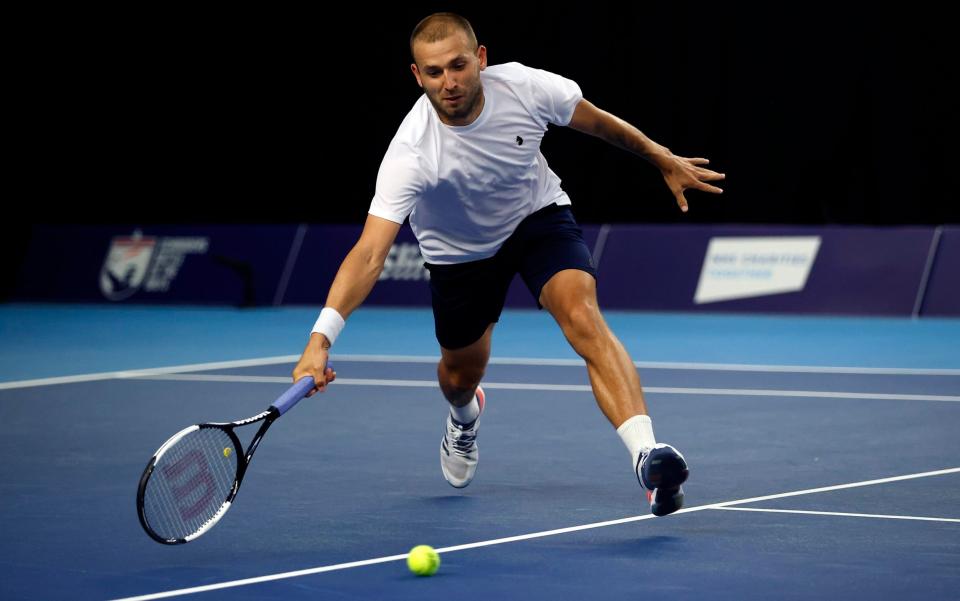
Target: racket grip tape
x,y
294,394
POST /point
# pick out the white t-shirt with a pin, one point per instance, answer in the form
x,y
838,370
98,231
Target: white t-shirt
x,y
466,188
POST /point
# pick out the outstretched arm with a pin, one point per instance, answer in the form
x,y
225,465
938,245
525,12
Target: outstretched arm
x,y
358,273
362,266
680,173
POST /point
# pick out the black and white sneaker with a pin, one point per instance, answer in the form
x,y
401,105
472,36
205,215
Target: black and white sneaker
x,y
458,448
662,471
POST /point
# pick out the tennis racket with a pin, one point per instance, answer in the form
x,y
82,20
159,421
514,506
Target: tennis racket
x,y
191,481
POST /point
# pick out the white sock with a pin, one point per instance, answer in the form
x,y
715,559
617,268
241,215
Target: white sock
x,y
637,434
467,413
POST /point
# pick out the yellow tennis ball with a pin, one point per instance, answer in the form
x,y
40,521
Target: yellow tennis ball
x,y
226,451
423,560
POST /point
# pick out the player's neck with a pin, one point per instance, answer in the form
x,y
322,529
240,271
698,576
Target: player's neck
x,y
470,117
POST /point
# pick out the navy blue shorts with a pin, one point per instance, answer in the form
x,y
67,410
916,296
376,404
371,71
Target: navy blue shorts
x,y
468,297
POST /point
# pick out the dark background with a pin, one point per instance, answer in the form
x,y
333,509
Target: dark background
x,y
816,113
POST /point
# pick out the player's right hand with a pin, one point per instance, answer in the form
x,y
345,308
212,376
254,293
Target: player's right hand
x,y
313,363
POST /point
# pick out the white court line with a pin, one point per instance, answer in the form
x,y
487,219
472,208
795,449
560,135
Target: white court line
x,y
841,514
816,369
569,387
278,360
522,537
136,373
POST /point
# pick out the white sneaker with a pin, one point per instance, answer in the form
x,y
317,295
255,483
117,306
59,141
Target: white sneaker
x,y
458,448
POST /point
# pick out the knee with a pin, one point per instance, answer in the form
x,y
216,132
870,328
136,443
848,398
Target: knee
x,y
459,375
582,323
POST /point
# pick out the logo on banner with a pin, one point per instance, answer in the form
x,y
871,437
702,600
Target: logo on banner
x,y
747,267
404,263
139,262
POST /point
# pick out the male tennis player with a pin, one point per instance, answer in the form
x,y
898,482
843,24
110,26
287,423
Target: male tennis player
x,y
465,167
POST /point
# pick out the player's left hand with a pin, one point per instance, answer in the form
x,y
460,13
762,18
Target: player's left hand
x,y
682,174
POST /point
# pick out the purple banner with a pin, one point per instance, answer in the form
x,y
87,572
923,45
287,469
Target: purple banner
x,y
235,265
942,296
403,281
839,270
827,270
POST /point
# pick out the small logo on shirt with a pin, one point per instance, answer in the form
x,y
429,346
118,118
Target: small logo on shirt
x,y
519,141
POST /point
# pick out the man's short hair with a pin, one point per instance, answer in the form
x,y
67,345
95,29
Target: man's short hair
x,y
440,26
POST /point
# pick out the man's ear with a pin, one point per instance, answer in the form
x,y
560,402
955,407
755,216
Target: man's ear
x,y
482,56
416,74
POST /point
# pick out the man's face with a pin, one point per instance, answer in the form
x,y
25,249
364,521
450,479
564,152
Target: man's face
x,y
449,73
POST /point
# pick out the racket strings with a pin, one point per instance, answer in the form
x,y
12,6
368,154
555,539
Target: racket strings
x,y
190,483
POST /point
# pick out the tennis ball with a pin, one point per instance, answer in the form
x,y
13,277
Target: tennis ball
x,y
423,560
226,451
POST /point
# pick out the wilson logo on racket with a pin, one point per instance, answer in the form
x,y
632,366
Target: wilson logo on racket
x,y
201,480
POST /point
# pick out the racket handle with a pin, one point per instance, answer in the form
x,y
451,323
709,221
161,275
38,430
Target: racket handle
x,y
295,393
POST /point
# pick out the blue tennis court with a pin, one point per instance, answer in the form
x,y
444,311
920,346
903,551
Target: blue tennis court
x,y
189,198
824,458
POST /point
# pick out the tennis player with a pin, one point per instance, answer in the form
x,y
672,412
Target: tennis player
x,y
465,167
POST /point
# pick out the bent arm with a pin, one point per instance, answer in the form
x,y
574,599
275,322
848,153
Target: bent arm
x,y
589,119
679,173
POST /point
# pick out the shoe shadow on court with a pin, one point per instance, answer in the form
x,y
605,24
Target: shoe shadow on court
x,y
639,547
451,500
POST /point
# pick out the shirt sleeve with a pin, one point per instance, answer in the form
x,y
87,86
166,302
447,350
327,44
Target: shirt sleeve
x,y
399,185
556,96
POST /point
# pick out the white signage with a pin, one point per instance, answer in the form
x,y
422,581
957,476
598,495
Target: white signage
x,y
746,267
404,262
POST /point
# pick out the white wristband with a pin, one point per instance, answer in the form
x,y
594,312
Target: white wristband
x,y
329,324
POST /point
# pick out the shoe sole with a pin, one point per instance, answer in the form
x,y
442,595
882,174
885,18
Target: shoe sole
x,y
665,501
667,496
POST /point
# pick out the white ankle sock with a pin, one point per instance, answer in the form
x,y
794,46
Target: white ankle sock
x,y
637,435
467,413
